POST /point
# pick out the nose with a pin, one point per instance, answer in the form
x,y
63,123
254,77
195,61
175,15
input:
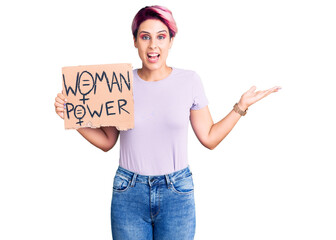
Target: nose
x,y
153,43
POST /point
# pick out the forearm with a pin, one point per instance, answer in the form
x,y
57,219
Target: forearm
x,y
96,136
221,129
210,134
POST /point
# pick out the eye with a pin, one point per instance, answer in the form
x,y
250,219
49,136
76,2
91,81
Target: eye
x,y
161,37
144,37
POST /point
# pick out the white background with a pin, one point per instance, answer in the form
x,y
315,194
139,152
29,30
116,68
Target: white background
x,y
273,177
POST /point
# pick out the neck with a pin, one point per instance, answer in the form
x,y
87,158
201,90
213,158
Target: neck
x,y
154,75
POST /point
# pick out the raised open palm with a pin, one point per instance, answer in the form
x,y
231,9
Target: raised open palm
x,y
250,97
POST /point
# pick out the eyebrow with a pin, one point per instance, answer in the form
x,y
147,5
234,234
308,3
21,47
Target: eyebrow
x,y
157,32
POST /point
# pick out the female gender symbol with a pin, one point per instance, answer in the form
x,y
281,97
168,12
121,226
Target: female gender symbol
x,y
85,85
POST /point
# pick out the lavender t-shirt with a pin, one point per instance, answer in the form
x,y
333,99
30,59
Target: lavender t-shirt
x,y
157,144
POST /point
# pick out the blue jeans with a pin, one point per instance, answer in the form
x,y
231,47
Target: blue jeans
x,y
153,207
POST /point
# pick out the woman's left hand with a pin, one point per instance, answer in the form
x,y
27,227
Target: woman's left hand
x,y
250,97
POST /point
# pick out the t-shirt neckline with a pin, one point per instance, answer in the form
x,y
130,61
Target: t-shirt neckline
x,y
153,82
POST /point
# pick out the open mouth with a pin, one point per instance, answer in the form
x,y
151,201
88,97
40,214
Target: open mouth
x,y
153,57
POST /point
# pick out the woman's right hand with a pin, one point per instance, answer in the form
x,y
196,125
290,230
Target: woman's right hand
x,y
104,137
60,104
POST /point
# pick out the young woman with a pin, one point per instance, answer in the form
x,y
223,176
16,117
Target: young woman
x,y
153,194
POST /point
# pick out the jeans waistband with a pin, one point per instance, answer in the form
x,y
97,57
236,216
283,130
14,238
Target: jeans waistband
x,y
152,179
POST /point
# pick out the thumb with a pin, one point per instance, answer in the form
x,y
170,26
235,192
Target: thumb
x,y
252,89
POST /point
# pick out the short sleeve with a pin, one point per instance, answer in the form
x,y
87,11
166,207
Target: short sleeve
x,y
199,98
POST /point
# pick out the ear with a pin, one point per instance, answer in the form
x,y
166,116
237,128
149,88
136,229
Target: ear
x,y
171,42
135,42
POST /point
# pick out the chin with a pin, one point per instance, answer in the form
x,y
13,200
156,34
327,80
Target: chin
x,y
153,66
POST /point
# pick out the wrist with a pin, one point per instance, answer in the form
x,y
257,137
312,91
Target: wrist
x,y
242,106
238,110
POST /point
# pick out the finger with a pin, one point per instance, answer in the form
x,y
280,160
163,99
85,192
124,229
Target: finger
x,y
271,90
59,109
61,96
61,115
59,105
252,89
268,92
277,88
60,100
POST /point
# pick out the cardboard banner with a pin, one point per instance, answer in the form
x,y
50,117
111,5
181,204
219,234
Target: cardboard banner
x,y
99,95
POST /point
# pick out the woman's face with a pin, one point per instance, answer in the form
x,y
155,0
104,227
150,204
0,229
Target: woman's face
x,y
153,43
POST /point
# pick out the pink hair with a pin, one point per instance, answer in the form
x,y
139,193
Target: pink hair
x,y
155,12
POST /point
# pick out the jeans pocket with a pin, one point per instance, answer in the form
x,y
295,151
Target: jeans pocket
x,y
120,183
183,185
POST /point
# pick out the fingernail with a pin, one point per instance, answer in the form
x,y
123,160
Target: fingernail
x,y
65,100
62,115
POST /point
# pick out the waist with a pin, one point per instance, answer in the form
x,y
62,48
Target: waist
x,y
151,179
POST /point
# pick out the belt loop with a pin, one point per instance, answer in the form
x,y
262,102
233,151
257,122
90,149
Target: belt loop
x,y
169,183
133,179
